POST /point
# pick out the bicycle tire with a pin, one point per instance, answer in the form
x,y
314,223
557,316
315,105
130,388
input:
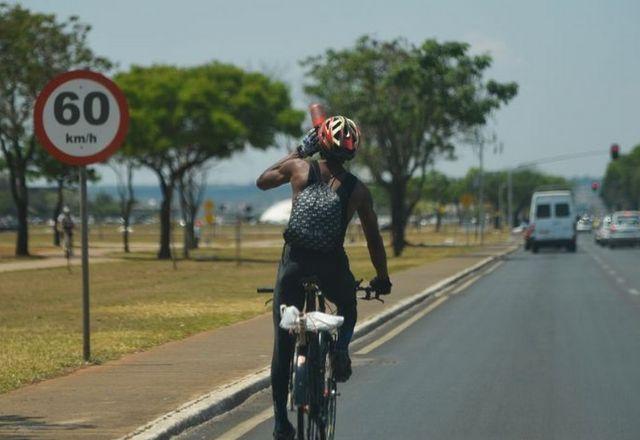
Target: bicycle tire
x,y
330,393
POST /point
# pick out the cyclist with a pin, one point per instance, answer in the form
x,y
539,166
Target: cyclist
x,y
337,141
66,225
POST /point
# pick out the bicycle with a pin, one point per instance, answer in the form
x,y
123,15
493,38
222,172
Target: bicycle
x,y
313,390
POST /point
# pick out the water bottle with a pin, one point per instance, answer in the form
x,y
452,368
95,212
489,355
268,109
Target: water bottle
x,y
318,115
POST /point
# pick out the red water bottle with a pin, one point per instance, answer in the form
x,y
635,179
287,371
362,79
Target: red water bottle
x,y
318,115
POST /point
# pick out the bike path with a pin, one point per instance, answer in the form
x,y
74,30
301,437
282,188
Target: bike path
x,y
112,400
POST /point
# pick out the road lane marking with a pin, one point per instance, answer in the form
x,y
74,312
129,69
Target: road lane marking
x,y
620,280
476,278
634,291
399,329
611,272
247,426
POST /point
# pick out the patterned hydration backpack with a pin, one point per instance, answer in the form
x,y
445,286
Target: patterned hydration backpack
x,y
319,215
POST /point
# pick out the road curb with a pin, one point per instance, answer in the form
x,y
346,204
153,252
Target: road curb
x,y
229,396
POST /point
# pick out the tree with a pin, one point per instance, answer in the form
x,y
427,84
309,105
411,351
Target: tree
x,y
621,185
34,47
191,189
183,117
123,167
411,102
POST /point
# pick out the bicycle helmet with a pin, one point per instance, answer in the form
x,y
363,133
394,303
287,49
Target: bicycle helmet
x,y
339,138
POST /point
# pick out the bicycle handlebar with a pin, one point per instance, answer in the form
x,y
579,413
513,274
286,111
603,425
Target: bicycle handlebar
x,y
369,293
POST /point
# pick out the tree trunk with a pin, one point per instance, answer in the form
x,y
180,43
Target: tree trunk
x,y
398,196
125,234
188,242
164,253
126,205
22,240
56,212
21,199
438,219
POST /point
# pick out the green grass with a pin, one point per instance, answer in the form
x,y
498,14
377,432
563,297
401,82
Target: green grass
x,y
139,303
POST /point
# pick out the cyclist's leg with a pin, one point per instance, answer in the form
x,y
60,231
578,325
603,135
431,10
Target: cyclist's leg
x,y
339,286
287,291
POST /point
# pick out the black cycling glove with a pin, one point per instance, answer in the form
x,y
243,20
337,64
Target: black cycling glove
x,y
382,286
309,145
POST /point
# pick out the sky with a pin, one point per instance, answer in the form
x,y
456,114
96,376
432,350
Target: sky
x,y
577,62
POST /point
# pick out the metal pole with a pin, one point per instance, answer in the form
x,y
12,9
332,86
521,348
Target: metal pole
x,y
238,238
481,201
500,207
509,199
86,335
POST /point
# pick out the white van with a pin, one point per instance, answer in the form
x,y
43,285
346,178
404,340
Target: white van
x,y
553,220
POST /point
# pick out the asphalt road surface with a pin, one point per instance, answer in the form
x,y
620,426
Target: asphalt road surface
x,y
547,346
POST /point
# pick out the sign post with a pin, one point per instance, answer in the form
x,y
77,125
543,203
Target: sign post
x,y
80,118
86,327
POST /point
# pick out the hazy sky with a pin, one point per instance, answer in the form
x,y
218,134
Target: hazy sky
x,y
577,61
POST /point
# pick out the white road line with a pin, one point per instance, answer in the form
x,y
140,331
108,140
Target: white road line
x,y
605,267
611,272
399,329
620,280
477,277
634,291
246,426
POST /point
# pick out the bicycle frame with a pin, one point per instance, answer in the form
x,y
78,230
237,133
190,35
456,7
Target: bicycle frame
x,y
312,386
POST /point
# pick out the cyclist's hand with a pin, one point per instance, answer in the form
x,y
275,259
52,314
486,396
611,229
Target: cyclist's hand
x,y
309,144
382,286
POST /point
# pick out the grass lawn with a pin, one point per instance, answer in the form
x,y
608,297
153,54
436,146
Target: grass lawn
x,y
141,302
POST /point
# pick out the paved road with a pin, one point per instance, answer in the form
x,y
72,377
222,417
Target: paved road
x,y
545,347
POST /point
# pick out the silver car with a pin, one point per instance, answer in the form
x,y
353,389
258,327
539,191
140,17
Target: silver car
x,y
601,236
624,228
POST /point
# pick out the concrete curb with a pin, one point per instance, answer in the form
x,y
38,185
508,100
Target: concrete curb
x,y
229,396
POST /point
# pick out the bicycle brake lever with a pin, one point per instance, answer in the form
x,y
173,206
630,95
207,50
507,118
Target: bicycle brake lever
x,y
266,303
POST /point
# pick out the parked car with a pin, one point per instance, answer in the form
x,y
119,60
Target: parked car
x,y
601,236
624,229
553,220
584,225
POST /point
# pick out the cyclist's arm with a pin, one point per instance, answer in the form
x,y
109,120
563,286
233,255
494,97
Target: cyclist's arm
x,y
369,222
280,172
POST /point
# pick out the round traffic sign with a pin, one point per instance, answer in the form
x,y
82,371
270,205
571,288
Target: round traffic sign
x,y
81,117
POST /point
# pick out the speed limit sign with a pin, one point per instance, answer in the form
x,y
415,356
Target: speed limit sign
x,y
81,117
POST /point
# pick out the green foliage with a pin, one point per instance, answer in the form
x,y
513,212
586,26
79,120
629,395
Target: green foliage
x,y
34,47
411,102
621,186
183,117
202,112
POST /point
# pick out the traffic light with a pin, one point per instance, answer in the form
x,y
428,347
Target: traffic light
x,y
615,152
595,186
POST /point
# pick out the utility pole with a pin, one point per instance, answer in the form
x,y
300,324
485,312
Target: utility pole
x,y
509,199
481,190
